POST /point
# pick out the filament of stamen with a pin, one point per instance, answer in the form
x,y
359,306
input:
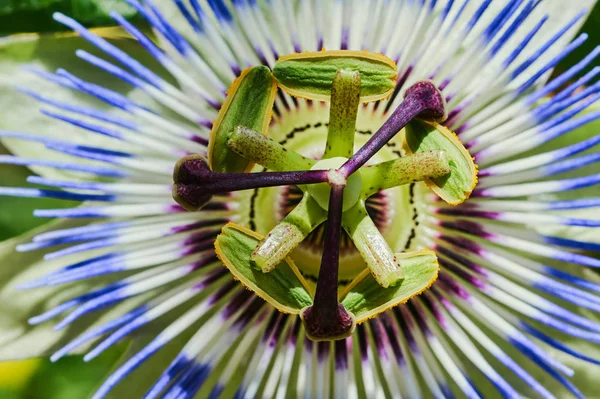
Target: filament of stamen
x,y
288,234
345,97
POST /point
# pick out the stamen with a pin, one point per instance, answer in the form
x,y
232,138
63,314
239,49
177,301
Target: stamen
x,y
327,319
374,249
288,234
422,100
266,152
409,169
195,183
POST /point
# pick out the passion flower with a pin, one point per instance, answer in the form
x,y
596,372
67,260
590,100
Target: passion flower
x,y
324,152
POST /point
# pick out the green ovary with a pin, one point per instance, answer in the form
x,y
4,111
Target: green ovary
x,y
320,192
304,130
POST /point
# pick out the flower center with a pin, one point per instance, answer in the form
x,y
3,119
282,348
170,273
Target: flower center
x,y
394,210
335,189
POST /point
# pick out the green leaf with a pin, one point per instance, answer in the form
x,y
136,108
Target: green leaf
x,y
455,187
15,376
284,287
24,16
97,11
249,103
310,74
10,6
20,113
365,298
71,377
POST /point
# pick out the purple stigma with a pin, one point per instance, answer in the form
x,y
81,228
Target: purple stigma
x,y
195,184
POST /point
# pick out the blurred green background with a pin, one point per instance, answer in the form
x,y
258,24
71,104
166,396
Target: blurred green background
x,y
67,379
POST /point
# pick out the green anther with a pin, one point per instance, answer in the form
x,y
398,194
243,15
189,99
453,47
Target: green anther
x,y
249,103
284,288
320,192
345,96
310,74
409,169
365,298
266,152
374,249
456,186
288,234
